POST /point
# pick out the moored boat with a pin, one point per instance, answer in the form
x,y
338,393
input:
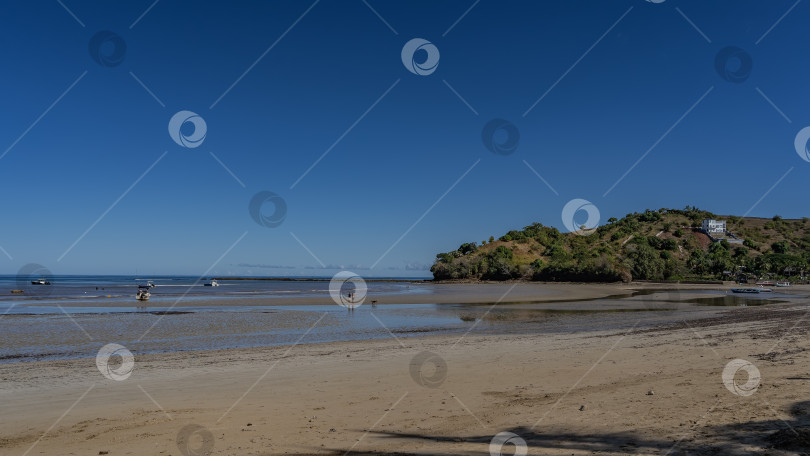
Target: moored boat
x,y
746,290
212,283
143,293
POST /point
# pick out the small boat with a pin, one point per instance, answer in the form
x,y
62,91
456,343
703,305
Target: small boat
x,y
40,282
212,283
151,284
746,290
782,284
143,293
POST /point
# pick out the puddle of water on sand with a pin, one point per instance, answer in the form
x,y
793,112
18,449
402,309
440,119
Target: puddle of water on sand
x,y
540,315
735,301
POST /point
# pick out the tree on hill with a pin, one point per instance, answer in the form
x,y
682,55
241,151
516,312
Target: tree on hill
x,y
646,263
780,247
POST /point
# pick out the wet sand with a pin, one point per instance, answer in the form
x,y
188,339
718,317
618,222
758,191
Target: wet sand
x,y
654,387
419,293
48,330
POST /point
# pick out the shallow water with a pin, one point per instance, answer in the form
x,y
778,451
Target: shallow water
x,y
739,301
51,335
28,337
39,329
122,289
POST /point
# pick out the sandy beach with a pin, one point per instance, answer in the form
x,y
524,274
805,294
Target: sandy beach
x,y
656,387
436,228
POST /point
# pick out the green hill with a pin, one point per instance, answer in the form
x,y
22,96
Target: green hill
x,y
666,244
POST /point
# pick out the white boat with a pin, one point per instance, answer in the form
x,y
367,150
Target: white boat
x,y
212,283
782,284
40,282
143,293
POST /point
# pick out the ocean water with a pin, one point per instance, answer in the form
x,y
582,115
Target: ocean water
x,y
122,289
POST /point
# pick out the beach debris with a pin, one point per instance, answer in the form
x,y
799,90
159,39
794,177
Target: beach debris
x,y
650,393
249,424
103,452
332,430
582,408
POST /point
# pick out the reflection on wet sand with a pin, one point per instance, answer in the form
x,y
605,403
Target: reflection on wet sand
x,y
36,332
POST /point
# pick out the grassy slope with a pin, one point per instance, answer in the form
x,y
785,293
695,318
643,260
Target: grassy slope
x,y
662,244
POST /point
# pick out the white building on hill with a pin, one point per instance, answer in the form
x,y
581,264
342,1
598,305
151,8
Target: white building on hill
x,y
714,226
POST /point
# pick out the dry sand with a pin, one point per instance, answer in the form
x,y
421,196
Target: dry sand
x,y
652,390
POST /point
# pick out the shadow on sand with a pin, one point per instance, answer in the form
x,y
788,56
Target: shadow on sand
x,y
772,437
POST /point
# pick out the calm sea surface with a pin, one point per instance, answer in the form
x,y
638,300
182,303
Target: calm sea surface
x,y
117,289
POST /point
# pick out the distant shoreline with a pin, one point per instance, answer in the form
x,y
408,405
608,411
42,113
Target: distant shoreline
x,y
319,279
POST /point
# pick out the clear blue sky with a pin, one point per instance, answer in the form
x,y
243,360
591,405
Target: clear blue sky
x,y
604,110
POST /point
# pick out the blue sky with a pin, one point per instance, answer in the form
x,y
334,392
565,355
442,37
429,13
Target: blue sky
x,y
616,78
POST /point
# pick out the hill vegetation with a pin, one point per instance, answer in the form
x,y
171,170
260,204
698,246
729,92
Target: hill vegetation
x,y
664,244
